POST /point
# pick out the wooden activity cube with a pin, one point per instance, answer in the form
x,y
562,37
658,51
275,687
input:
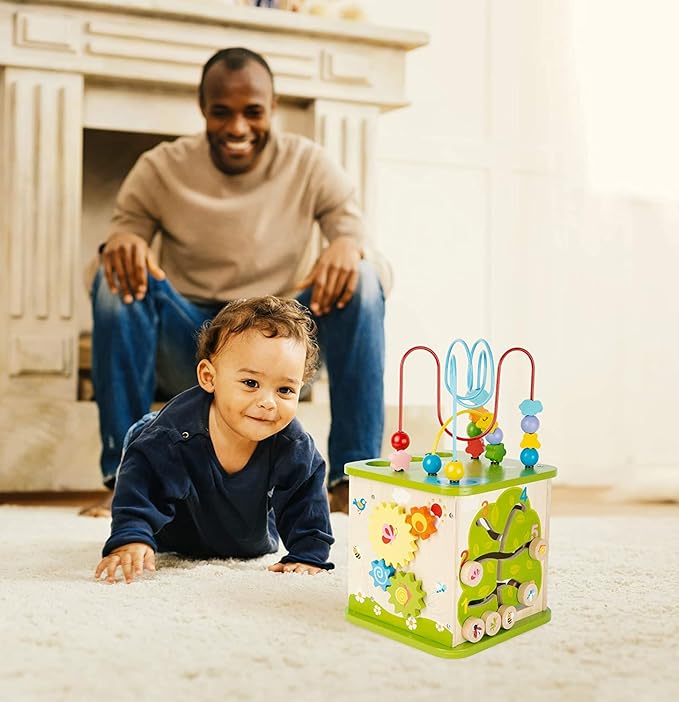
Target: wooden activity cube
x,y
448,567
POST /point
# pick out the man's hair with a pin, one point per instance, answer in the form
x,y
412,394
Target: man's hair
x,y
271,316
234,59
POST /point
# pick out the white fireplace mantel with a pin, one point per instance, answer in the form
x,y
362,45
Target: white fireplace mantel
x,y
133,66
166,43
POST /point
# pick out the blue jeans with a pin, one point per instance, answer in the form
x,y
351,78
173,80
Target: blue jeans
x,y
149,346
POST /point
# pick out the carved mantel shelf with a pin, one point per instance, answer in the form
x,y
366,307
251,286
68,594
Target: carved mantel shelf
x,y
133,66
166,43
215,13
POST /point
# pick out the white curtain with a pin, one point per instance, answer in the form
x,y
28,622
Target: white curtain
x,y
539,168
618,240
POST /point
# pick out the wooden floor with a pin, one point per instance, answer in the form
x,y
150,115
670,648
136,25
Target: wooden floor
x,y
601,501
565,501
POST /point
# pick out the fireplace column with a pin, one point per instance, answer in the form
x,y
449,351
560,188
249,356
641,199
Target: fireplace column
x,y
41,150
348,133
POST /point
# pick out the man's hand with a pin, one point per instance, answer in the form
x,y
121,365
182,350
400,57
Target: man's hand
x,y
303,568
132,559
126,259
334,277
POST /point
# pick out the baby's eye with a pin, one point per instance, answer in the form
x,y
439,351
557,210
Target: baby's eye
x,y
250,383
286,391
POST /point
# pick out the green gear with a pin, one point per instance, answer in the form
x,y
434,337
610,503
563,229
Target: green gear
x,y
406,594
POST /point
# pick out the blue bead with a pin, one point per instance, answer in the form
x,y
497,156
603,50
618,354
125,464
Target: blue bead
x,y
529,457
530,424
431,463
530,407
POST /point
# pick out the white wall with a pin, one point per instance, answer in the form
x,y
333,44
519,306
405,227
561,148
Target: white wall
x,y
511,205
489,213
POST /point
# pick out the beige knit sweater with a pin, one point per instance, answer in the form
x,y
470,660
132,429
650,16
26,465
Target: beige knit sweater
x,y
231,236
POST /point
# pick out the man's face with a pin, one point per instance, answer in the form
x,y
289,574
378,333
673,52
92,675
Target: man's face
x,y
237,106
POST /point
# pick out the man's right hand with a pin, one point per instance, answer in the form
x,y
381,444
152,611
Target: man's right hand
x,y
127,261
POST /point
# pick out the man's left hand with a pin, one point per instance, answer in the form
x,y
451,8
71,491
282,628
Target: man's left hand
x,y
334,276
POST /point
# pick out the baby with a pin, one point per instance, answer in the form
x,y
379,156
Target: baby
x,y
225,468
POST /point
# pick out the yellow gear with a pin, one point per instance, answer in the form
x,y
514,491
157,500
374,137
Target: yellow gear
x,y
390,534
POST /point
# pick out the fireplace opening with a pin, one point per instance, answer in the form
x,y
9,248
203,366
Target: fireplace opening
x,y
108,156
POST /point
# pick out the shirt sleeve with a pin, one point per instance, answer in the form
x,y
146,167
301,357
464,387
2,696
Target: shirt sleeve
x,y
336,205
142,503
301,506
137,207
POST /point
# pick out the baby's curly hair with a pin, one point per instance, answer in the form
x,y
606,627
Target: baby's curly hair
x,y
271,316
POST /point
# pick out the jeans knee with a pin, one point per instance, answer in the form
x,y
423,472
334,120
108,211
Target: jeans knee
x,y
369,294
107,305
104,302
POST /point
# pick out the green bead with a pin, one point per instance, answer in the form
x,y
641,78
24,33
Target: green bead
x,y
473,430
495,452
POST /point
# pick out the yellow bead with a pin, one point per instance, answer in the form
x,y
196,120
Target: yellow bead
x,y
484,420
530,441
453,470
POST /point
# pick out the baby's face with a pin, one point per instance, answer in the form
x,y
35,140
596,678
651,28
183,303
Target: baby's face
x,y
256,385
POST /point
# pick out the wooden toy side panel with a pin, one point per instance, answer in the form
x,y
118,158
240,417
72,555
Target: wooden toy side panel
x,y
431,562
545,535
504,521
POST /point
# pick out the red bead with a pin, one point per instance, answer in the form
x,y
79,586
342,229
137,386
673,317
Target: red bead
x,y
400,441
475,448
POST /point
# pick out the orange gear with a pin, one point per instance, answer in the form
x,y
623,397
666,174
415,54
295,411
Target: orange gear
x,y
422,522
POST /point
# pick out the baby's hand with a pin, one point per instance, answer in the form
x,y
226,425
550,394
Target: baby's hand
x,y
132,559
303,568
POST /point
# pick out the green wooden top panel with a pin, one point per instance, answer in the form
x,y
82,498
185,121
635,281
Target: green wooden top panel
x,y
479,475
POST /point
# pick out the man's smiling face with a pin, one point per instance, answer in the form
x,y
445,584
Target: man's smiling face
x,y
237,106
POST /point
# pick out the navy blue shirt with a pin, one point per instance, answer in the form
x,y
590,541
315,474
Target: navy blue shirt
x,y
172,493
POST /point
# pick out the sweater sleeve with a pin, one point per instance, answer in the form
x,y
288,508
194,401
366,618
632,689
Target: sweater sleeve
x,y
338,214
301,506
137,206
143,503
336,205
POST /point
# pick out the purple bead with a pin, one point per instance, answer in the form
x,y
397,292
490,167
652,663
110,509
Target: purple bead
x,y
530,424
495,437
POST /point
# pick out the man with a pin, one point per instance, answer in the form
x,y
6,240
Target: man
x,y
235,209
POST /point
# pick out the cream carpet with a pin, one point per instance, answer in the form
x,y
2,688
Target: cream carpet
x,y
226,630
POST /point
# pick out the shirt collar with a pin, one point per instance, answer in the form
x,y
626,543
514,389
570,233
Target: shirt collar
x,y
195,415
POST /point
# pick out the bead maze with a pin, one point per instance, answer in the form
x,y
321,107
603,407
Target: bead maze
x,y
452,557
